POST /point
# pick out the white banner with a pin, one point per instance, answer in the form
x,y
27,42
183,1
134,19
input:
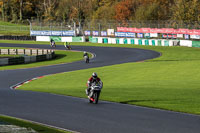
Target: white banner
x,y
195,36
153,34
179,35
111,32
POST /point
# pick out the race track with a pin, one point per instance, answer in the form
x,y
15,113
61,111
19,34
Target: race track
x,y
77,114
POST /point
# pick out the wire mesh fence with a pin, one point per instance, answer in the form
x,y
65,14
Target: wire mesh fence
x,y
98,25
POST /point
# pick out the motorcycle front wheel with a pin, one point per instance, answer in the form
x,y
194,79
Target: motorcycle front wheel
x,y
96,97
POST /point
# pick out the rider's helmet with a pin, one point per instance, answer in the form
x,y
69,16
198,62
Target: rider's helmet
x,y
94,75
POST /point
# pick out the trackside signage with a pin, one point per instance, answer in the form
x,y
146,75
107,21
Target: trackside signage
x,y
124,34
52,33
159,30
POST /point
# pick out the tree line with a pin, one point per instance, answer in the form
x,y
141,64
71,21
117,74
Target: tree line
x,y
86,10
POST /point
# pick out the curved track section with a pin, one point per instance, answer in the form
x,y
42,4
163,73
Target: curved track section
x,y
75,113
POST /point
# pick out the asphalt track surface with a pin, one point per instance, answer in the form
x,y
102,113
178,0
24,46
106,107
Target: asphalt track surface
x,y
77,114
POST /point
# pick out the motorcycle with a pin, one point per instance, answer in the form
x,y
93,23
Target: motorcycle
x,y
94,93
52,44
68,47
86,58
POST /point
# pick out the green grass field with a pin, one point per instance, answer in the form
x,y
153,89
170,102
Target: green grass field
x,y
7,28
61,57
170,82
37,127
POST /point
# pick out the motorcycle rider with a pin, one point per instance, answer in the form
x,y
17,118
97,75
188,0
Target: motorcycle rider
x,y
85,54
86,57
93,79
67,45
52,43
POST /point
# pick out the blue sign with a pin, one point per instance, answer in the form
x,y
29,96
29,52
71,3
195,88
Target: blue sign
x,y
124,34
68,33
103,33
95,33
56,33
140,35
52,33
187,36
87,33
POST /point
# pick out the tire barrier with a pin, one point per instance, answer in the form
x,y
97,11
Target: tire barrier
x,y
147,42
27,38
35,55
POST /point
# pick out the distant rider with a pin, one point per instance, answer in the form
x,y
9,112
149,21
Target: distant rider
x,y
93,79
85,54
52,43
67,45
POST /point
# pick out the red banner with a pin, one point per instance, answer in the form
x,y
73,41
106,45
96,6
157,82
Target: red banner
x,y
153,30
168,30
161,30
183,31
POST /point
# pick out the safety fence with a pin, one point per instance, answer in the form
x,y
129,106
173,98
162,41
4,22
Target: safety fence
x,y
26,56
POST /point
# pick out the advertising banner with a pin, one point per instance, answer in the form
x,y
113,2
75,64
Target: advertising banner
x,y
145,30
195,36
179,35
111,32
159,30
103,33
147,35
169,36
183,31
187,36
140,35
124,34
55,38
194,32
68,33
56,33
168,30
52,33
153,34
40,33
95,33
153,30
87,33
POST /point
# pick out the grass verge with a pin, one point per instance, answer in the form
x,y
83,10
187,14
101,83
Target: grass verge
x,y
37,127
171,82
61,57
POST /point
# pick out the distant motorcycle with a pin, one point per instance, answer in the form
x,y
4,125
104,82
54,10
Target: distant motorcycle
x,y
94,93
68,47
52,44
86,58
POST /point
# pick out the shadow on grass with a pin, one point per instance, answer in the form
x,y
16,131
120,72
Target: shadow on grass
x,y
59,56
136,101
174,60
